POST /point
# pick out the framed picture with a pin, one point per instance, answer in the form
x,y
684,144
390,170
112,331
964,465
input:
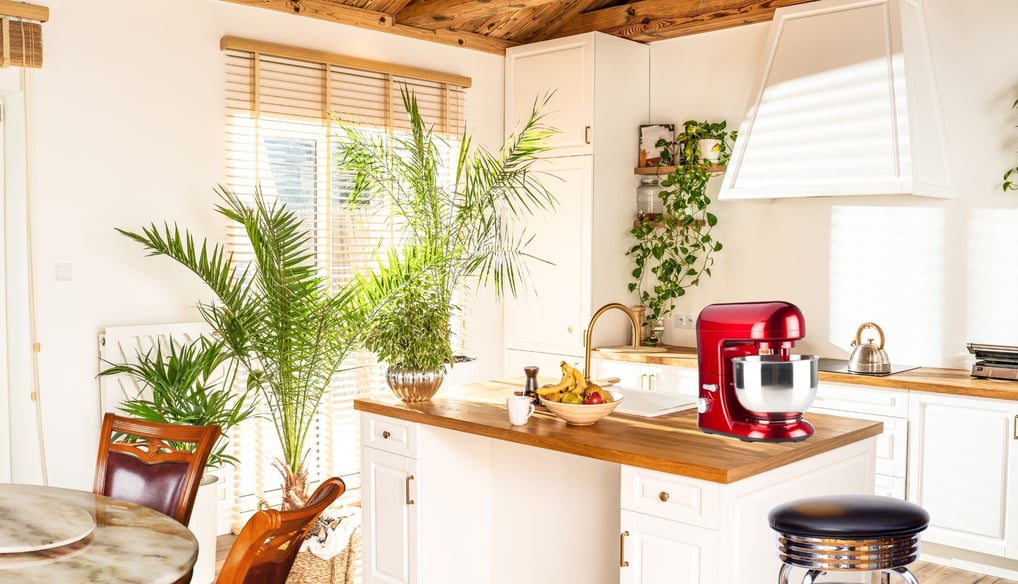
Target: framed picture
x,y
650,155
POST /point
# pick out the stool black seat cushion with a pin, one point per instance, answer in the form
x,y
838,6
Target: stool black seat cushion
x,y
849,517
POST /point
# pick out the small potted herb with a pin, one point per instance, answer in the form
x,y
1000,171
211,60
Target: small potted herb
x,y
705,141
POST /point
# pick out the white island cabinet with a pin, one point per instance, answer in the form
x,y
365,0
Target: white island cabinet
x,y
455,495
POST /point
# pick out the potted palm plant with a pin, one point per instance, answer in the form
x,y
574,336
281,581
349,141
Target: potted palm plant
x,y
278,316
455,232
191,384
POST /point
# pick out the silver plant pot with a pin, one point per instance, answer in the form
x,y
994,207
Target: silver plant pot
x,y
413,385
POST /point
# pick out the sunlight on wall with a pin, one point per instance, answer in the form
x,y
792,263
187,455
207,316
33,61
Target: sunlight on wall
x,y
991,316
791,138
887,267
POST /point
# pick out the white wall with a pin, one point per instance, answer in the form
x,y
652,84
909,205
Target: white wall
x,y
129,124
934,274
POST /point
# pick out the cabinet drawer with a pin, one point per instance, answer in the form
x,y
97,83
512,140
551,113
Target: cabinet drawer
x,y
670,497
865,400
892,443
389,434
889,486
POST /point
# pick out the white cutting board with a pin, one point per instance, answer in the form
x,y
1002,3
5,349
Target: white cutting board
x,y
651,404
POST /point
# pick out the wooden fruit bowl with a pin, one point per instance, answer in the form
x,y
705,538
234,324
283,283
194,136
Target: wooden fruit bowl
x,y
581,414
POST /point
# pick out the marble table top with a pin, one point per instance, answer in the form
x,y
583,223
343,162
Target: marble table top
x,y
129,544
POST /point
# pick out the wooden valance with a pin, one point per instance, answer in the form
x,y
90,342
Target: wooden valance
x,y
21,34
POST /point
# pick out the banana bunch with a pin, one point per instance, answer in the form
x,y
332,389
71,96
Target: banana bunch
x,y
573,388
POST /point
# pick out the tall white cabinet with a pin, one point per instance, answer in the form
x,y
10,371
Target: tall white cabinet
x,y
597,90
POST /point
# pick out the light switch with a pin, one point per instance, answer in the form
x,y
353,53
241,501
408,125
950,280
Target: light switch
x,y
62,271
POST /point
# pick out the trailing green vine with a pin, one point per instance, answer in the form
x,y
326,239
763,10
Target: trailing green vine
x,y
672,254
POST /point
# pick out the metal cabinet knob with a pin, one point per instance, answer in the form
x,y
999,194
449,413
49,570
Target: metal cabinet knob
x,y
664,496
386,434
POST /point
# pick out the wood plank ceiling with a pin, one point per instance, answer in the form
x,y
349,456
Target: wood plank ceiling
x,y
493,25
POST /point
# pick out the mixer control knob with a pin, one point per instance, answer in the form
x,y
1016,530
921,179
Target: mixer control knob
x,y
702,405
712,387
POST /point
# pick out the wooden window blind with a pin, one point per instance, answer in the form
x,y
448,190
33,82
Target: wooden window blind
x,y
280,137
21,34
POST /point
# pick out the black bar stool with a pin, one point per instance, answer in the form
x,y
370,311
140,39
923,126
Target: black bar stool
x,y
851,533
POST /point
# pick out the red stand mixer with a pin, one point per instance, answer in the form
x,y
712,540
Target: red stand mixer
x,y
751,386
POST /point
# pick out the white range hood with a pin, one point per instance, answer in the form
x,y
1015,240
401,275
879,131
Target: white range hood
x,y
845,104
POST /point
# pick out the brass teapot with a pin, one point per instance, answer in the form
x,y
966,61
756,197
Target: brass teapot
x,y
868,358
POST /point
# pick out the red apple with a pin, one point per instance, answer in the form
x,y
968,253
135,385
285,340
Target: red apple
x,y
594,398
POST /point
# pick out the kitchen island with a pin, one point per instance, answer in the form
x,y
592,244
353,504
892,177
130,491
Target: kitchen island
x,y
453,493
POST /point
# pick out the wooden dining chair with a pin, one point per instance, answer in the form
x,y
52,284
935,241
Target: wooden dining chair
x,y
156,465
267,546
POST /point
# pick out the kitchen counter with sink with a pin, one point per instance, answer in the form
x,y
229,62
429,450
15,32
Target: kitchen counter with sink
x,y
928,379
670,443
452,493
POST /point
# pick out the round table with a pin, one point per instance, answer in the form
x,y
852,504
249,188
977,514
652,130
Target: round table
x,y
127,544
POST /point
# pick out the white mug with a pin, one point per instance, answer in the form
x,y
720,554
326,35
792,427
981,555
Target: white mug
x,y
520,407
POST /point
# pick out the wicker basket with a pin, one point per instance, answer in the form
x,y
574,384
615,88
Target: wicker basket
x,y
340,569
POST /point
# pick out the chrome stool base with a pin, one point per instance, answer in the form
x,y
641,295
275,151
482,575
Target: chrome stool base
x,y
811,576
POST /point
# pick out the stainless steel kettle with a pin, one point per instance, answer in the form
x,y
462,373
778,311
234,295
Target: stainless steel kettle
x,y
868,358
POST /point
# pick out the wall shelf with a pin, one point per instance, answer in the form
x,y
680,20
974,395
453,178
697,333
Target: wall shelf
x,y
662,170
658,224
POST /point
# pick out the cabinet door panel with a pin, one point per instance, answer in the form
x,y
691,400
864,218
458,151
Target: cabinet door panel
x,y
665,552
551,317
958,469
390,555
892,443
563,69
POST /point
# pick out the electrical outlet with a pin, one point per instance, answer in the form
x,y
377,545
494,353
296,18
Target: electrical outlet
x,y
686,321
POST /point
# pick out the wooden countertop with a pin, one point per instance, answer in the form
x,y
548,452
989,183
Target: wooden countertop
x,y
931,379
670,443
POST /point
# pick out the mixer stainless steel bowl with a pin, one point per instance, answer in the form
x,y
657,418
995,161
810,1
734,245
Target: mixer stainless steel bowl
x,y
769,385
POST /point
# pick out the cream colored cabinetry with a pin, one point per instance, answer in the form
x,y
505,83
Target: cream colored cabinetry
x,y
885,405
963,470
669,529
680,530
599,87
389,481
561,71
407,492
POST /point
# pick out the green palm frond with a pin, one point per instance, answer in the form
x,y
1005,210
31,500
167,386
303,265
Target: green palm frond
x,y
278,315
188,384
463,225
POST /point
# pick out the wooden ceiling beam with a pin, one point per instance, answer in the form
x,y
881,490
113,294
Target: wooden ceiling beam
x,y
649,20
380,21
429,12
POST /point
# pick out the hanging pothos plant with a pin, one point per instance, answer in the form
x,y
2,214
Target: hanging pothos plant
x,y
671,254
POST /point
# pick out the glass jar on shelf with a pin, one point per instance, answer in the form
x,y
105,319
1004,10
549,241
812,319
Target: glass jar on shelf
x,y
648,203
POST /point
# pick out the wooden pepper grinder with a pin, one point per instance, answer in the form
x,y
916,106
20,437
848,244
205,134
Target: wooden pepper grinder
x,y
530,384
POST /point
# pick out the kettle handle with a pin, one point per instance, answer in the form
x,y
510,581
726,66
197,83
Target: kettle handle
x,y
864,326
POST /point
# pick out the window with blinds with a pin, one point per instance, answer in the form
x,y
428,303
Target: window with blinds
x,y
280,137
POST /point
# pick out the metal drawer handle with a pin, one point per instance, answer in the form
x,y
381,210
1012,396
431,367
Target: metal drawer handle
x,y
586,134
386,434
663,495
409,501
1015,434
623,563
